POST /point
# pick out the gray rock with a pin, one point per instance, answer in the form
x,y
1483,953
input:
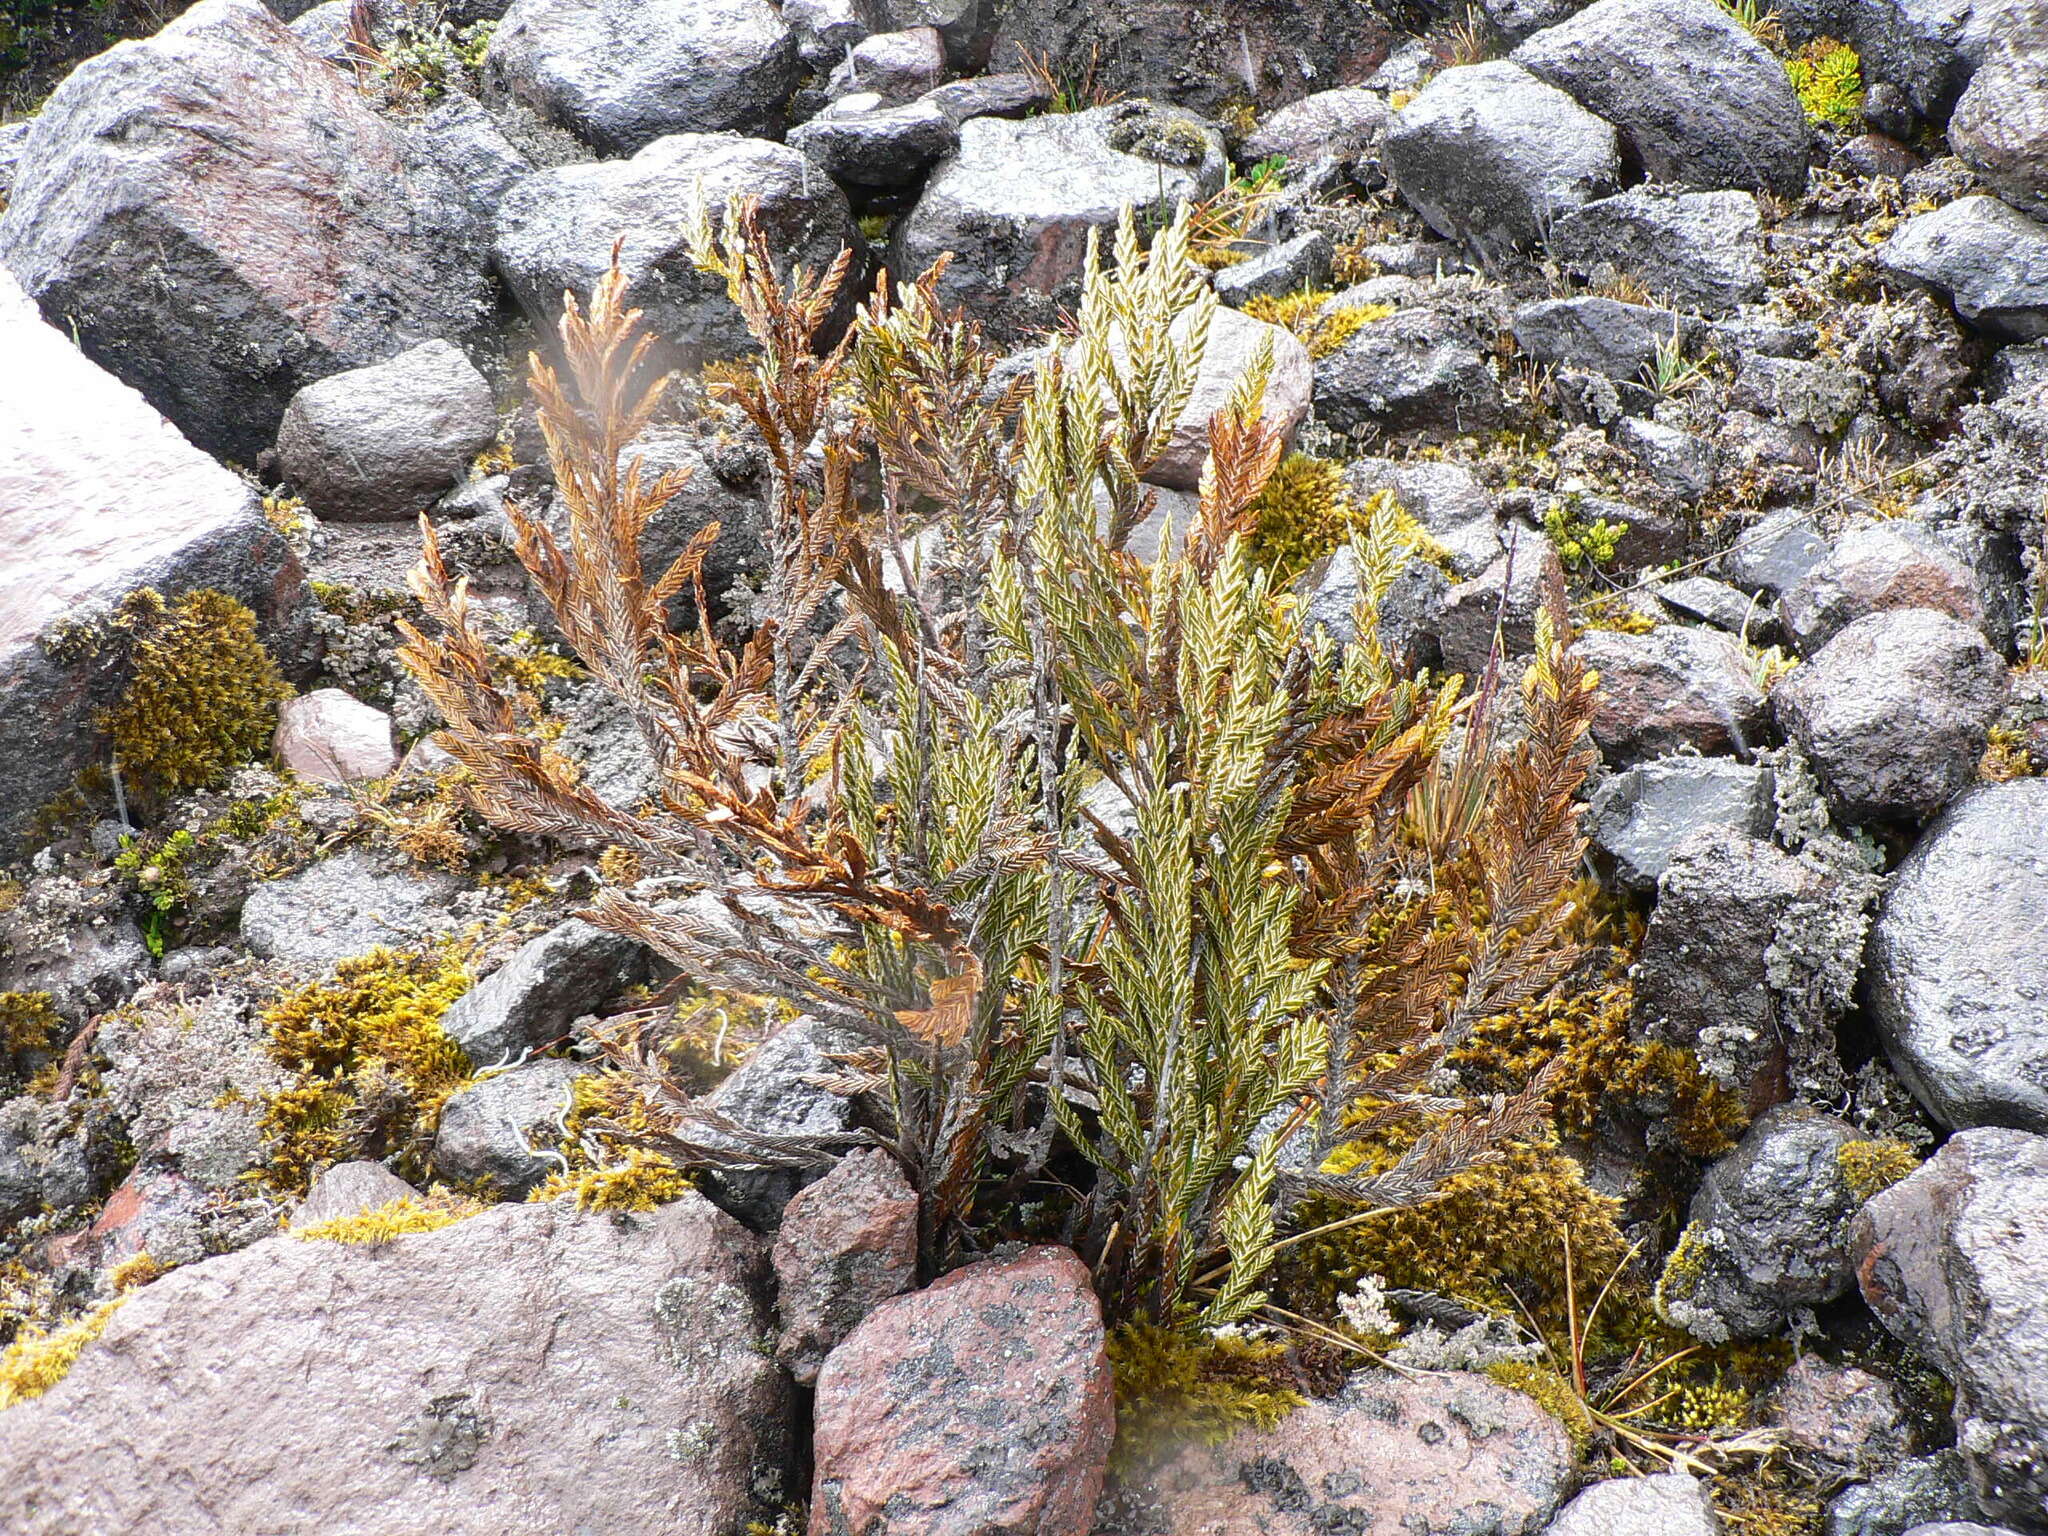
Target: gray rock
x,y
1950,1258
1777,553
1769,1231
1302,262
1892,712
1507,595
825,29
1697,99
492,1133
1699,250
556,230
1490,155
1409,373
468,142
2000,126
74,441
1716,603
13,139
1958,973
1610,337
1446,498
331,738
349,1189
344,906
896,66
768,1093
1843,1420
1675,687
892,147
1877,569
1639,817
380,443
1344,124
846,1244
1234,342
1409,616
1671,1504
1917,1490
531,1368
1821,396
1960,1528
222,163
532,999
622,73
1016,202
1985,257
1926,50
1016,94
1681,462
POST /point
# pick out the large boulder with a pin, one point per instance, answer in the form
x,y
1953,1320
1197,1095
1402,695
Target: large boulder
x,y
1926,50
1234,343
1983,256
1697,250
221,219
1893,712
1427,1454
344,906
1951,1259
2000,127
980,1404
1886,566
1697,99
383,442
1016,202
533,1368
1958,972
623,73
100,495
1490,155
556,231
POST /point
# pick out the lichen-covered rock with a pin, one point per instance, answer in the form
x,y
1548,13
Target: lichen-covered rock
x,y
621,75
528,1369
571,970
1698,100
330,737
223,219
74,444
382,442
1342,124
1892,712
1984,256
1588,331
1951,1259
344,906
1671,1504
2000,126
982,1403
1442,1455
1875,569
1958,972
847,1243
1700,250
1414,372
1675,687
1490,155
1016,201
556,230
492,1134
1921,1488
1639,817
1769,1231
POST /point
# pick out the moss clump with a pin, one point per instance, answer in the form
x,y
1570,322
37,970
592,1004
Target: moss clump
x,y
37,1360
371,1064
1302,513
1582,544
639,1181
1306,313
1828,78
1553,1394
202,694
29,1021
394,1219
136,1271
1683,1270
1871,1167
1175,1387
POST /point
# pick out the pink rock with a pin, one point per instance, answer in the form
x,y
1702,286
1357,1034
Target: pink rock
x,y
847,1243
980,1406
1234,342
332,738
1433,1454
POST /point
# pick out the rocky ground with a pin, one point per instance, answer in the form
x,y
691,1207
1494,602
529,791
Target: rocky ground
x,y
319,1207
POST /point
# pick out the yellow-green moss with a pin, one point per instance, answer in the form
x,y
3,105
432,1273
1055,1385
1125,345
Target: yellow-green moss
x,y
28,1021
1581,542
371,1064
639,1181
396,1218
37,1360
1828,78
1322,330
1302,513
1174,1387
1685,1267
202,694
1553,1394
1871,1167
137,1270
